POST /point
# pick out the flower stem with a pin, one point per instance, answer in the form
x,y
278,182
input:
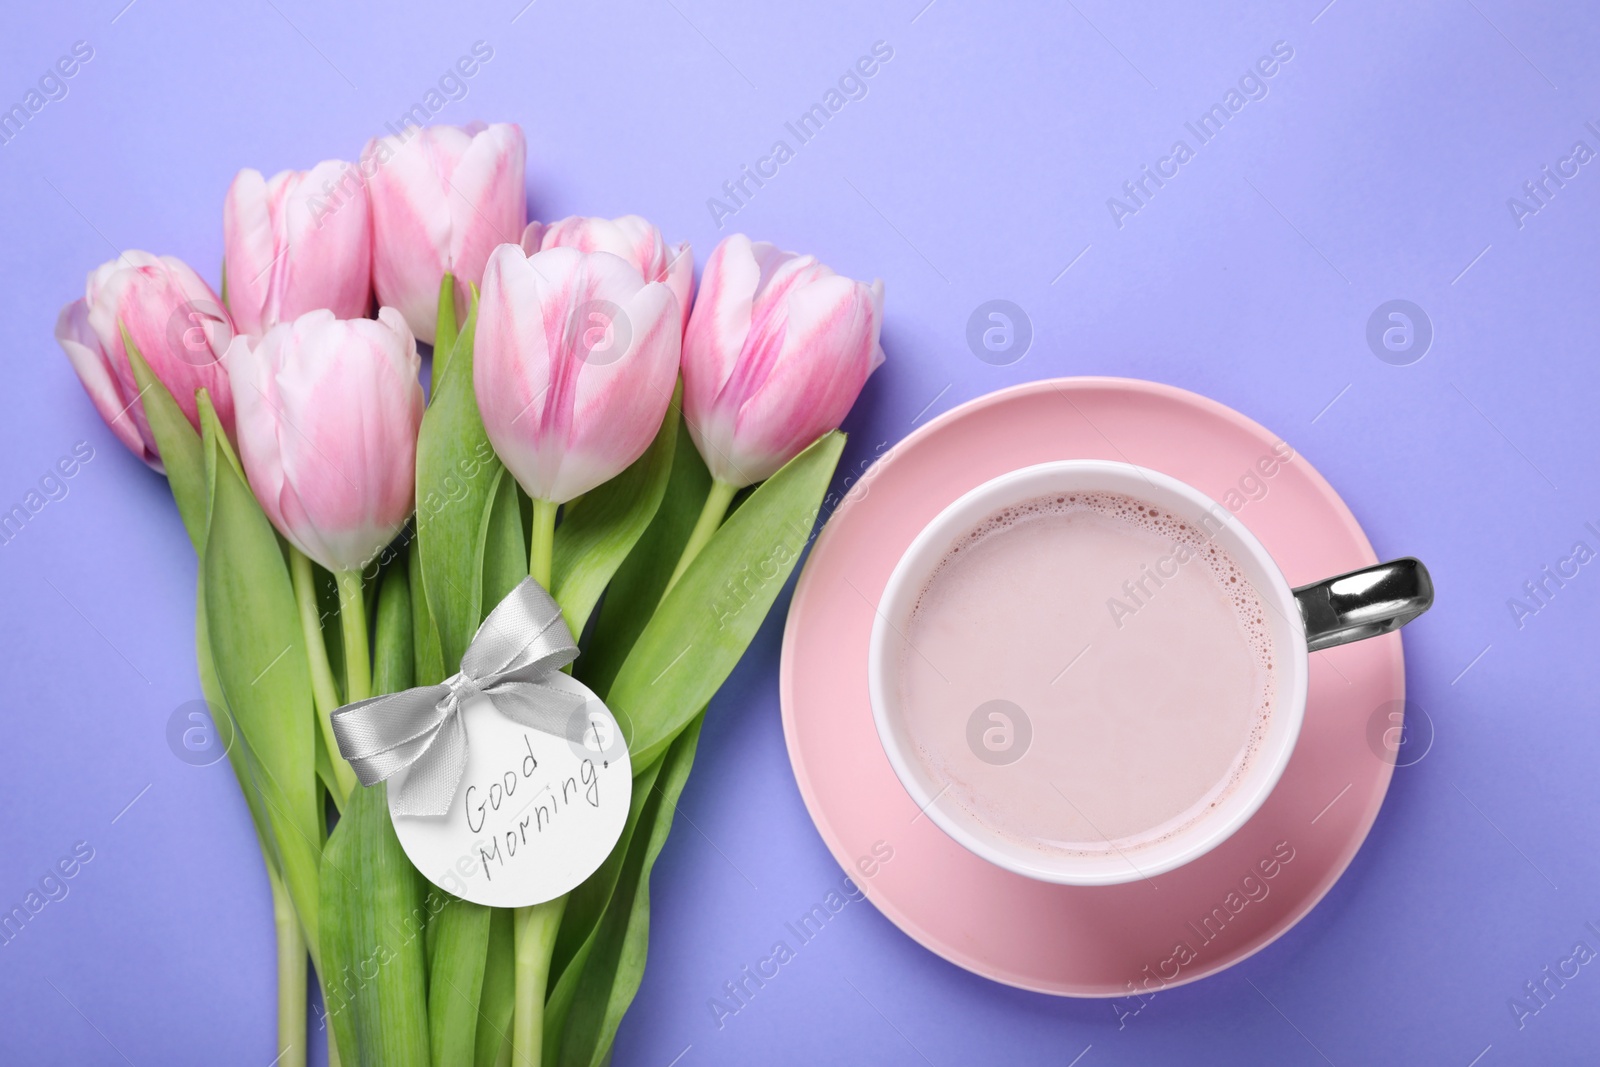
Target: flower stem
x,y
534,928
711,516
291,977
544,540
323,689
535,931
357,657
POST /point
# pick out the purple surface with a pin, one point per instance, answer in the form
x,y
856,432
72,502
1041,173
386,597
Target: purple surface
x,y
977,167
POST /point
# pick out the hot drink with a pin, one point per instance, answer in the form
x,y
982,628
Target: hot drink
x,y
1086,672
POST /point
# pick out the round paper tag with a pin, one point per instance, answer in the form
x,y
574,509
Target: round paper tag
x,y
534,815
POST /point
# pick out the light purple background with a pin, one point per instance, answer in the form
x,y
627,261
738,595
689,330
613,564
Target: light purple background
x,y
977,167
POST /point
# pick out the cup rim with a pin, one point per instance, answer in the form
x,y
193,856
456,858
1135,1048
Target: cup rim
x,y
1182,846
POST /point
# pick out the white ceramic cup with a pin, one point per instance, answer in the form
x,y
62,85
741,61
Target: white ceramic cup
x,y
1361,604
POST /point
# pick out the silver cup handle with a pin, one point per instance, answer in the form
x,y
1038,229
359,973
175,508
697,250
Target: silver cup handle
x,y
1364,603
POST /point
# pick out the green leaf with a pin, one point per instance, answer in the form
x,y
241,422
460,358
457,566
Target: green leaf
x,y
444,333
498,998
465,953
597,534
392,660
239,755
502,548
461,531
427,666
436,902
227,735
455,983
212,436
694,639
586,905
179,445
373,910
456,471
372,939
615,964
634,592
261,669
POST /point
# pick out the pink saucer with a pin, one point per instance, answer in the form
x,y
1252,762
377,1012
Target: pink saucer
x,y
1084,941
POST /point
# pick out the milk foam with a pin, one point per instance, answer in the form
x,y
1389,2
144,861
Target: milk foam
x,y
1155,721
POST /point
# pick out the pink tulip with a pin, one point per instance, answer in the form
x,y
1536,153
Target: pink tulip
x,y
442,198
295,242
632,238
328,416
777,350
179,327
575,358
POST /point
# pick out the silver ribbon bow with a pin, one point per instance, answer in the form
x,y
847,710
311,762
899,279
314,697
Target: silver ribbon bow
x,y
522,642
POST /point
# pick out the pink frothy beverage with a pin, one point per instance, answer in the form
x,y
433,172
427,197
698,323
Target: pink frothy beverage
x,y
1086,673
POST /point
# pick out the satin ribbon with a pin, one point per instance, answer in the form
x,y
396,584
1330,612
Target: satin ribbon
x,y
516,650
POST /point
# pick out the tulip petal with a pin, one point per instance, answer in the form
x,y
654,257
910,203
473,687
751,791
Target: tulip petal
x,y
531,236
176,321
442,198
410,234
255,413
575,360
326,258
579,296
511,363
718,327
250,249
829,341
329,411
631,237
680,279
83,351
777,349
488,201
618,405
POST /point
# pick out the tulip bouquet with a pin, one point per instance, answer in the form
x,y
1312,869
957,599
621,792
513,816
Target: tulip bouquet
x,y
353,532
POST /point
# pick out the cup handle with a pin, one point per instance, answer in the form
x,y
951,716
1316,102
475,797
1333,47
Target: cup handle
x,y
1365,603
